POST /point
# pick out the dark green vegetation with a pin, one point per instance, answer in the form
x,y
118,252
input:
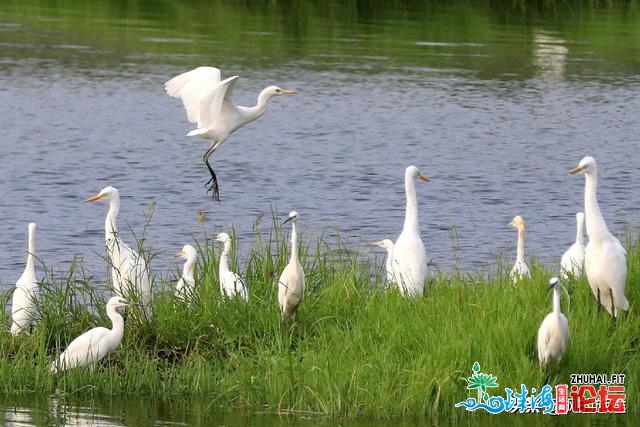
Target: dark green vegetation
x,y
359,37
355,348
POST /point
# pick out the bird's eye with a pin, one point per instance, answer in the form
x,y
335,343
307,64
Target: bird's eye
x,y
278,90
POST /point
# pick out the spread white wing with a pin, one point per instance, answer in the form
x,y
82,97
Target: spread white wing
x,y
217,103
191,87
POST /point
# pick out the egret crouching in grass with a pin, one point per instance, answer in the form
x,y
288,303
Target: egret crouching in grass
x,y
207,99
520,269
185,288
554,331
572,261
93,345
409,255
291,282
230,283
23,306
389,266
605,260
128,269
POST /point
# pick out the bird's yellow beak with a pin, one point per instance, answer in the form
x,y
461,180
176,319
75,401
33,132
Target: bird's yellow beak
x,y
576,170
287,91
180,254
423,177
94,198
376,243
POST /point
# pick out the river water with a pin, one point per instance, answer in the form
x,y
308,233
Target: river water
x,y
495,105
494,112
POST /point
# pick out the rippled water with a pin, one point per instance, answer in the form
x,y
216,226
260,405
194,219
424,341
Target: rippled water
x,y
495,118
177,411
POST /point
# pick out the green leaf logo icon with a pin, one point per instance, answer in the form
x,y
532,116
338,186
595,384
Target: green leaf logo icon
x,y
481,382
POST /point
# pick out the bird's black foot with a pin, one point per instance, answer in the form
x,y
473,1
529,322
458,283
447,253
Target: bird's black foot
x,y
212,184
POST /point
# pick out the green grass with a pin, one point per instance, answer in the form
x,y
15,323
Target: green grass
x,y
355,349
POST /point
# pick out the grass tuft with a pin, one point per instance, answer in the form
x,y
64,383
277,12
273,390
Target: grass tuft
x,y
355,349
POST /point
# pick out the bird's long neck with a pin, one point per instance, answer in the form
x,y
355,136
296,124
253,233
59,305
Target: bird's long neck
x,y
580,232
32,250
411,223
595,222
294,244
556,301
188,268
224,258
252,113
520,246
117,321
110,228
389,252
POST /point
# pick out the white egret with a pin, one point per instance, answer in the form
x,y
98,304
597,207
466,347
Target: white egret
x,y
572,261
96,343
520,269
129,270
389,267
207,99
605,260
23,307
554,331
291,282
409,254
185,288
230,283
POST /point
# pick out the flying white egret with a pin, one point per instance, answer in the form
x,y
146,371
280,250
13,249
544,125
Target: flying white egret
x,y
409,254
23,307
291,282
207,99
605,260
554,331
572,261
230,283
520,269
389,267
185,288
96,343
129,270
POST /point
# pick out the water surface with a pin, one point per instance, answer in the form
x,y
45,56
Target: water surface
x,y
495,105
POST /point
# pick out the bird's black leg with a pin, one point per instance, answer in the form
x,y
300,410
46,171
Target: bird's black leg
x,y
614,314
214,183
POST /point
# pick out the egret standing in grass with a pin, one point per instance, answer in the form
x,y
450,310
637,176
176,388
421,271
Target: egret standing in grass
x,y
207,99
23,306
389,266
96,343
291,282
185,288
230,283
553,334
409,254
572,261
605,260
520,269
129,270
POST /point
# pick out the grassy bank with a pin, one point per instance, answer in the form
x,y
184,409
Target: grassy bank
x,y
355,348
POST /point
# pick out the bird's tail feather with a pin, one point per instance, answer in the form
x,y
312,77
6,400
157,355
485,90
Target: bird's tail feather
x,y
199,131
